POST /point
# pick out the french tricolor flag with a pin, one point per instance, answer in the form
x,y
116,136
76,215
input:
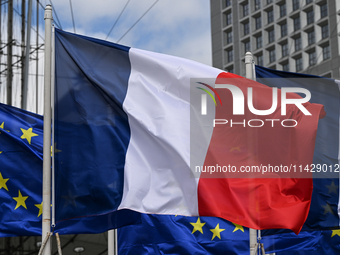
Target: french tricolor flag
x,y
129,136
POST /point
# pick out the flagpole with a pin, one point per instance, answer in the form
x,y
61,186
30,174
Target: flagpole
x,y
250,75
46,215
112,242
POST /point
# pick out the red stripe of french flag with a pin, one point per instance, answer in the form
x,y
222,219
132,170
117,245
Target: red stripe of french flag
x,y
276,201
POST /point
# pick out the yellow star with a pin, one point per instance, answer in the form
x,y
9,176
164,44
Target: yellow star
x,y
70,198
197,226
2,126
238,227
40,207
27,134
332,188
335,232
216,232
20,201
3,182
328,209
235,148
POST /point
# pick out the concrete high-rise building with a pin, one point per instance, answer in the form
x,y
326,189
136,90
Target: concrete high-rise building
x,y
291,35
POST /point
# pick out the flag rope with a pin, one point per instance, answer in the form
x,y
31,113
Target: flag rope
x,y
42,248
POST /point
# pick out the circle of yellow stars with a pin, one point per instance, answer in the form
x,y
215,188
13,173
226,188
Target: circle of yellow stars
x,y
27,135
216,232
20,199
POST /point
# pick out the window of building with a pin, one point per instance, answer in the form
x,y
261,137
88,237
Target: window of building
x,y
246,9
311,37
285,67
271,36
296,4
257,4
283,30
259,42
258,22
270,15
247,46
324,31
229,37
297,43
298,64
285,50
326,52
310,17
283,10
260,60
272,56
229,18
297,24
312,58
269,1
309,1
230,56
246,28
227,3
323,10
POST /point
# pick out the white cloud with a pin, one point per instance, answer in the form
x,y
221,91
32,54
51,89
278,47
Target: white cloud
x,y
175,27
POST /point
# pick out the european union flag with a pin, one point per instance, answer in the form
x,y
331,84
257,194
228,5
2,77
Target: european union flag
x,y
21,148
323,212
305,243
320,233
21,138
164,234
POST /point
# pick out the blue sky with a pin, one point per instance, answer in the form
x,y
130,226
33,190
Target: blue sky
x,y
175,27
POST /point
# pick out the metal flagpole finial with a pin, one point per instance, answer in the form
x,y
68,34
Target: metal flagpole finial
x,y
48,12
249,62
248,58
